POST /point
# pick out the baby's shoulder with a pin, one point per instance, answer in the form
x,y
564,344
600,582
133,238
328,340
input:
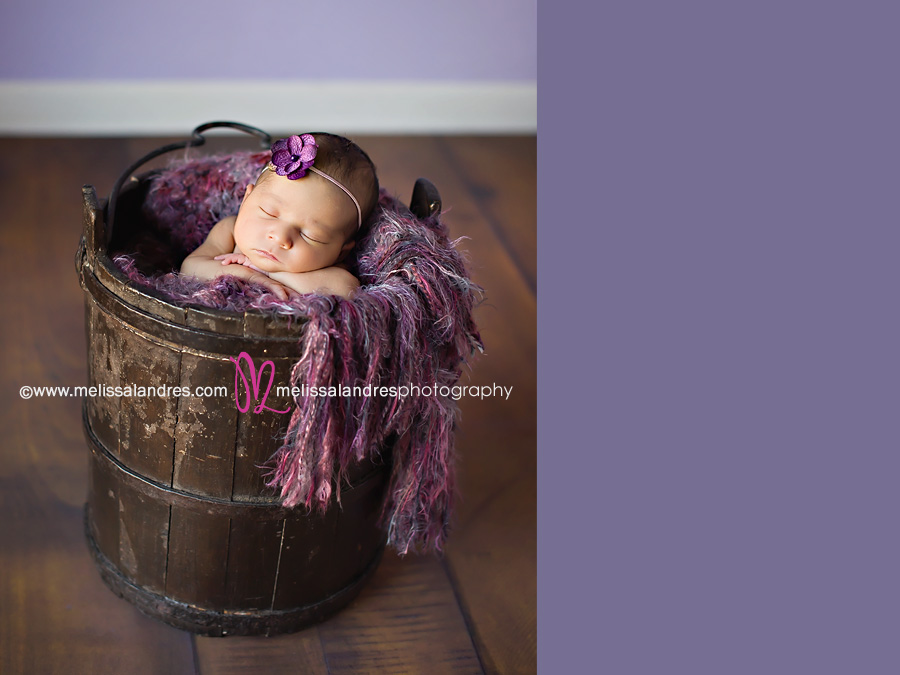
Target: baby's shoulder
x,y
223,231
226,224
220,239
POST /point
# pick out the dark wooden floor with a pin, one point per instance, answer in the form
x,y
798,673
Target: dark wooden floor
x,y
472,611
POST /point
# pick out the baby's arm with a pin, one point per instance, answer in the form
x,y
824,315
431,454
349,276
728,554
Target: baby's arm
x,y
202,262
327,281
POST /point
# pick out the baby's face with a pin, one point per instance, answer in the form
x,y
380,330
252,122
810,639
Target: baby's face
x,y
294,225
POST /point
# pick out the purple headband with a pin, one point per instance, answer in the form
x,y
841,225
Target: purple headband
x,y
293,156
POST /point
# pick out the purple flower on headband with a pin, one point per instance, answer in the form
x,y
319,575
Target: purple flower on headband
x,y
292,156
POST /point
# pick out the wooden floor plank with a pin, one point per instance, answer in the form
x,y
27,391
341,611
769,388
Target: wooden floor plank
x,y
501,175
277,655
493,561
406,620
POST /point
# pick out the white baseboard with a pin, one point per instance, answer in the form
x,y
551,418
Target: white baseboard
x,y
151,108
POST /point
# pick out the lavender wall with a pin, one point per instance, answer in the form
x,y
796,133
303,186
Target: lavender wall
x,y
465,40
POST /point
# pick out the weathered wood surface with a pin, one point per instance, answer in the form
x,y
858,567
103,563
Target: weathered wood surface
x,y
473,611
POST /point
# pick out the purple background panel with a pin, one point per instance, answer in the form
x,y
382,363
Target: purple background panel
x,y
270,39
719,365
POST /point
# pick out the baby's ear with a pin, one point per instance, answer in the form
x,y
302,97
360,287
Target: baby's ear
x,y
346,248
247,191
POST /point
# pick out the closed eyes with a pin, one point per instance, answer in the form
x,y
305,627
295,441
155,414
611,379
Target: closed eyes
x,y
306,236
302,234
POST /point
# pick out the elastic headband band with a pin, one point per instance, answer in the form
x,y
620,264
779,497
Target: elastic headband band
x,y
271,167
346,190
292,157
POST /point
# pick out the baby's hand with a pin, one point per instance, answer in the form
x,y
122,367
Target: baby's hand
x,y
238,259
280,291
234,259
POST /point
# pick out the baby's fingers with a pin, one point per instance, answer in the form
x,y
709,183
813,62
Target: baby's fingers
x,y
290,293
280,291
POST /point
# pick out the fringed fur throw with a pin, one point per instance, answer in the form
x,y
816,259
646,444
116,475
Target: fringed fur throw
x,y
410,324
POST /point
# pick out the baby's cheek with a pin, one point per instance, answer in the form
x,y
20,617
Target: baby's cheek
x,y
243,235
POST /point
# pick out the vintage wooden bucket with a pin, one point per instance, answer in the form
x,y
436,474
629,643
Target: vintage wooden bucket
x,y
178,518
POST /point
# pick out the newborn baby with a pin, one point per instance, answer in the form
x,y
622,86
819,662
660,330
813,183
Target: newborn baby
x,y
298,223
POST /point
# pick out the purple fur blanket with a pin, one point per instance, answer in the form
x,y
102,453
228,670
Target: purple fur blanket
x,y
410,324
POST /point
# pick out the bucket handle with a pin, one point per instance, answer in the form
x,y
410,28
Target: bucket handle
x,y
197,139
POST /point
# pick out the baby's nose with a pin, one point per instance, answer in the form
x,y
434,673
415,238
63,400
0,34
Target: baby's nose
x,y
280,238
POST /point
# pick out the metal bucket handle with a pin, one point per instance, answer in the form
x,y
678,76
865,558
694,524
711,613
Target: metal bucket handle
x,y
197,139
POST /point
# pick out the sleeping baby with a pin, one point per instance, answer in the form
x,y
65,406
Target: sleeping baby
x,y
298,223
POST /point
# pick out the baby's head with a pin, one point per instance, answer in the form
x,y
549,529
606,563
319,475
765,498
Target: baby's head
x,y
304,212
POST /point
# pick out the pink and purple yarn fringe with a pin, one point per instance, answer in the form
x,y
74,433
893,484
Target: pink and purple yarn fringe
x,y
411,323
